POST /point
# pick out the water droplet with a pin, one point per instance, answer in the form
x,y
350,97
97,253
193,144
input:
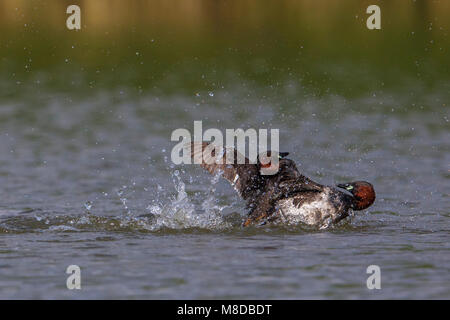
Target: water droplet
x,y
155,209
88,205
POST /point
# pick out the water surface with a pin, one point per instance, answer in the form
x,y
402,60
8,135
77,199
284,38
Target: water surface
x,y
86,176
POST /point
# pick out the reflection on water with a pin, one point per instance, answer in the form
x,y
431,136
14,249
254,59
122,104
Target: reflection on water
x,y
85,124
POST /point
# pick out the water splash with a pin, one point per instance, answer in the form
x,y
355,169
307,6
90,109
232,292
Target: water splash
x,y
123,199
180,212
88,206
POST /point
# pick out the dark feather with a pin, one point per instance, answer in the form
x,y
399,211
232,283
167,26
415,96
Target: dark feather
x,y
261,191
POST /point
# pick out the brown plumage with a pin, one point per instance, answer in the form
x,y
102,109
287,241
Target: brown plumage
x,y
286,196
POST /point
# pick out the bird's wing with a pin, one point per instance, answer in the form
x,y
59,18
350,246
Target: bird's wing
x,y
243,175
301,184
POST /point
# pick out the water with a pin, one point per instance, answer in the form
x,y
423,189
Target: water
x,y
86,176
139,227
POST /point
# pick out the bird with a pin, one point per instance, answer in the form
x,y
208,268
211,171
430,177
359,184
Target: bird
x,y
286,197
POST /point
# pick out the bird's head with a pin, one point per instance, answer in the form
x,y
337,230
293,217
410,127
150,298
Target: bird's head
x,y
363,193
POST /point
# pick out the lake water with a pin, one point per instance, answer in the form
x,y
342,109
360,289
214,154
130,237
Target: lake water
x,y
86,177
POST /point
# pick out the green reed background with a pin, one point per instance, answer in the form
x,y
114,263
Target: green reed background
x,y
189,46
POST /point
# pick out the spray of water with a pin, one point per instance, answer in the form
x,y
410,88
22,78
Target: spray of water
x,y
180,212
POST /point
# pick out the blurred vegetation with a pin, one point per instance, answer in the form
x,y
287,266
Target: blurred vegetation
x,y
190,46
